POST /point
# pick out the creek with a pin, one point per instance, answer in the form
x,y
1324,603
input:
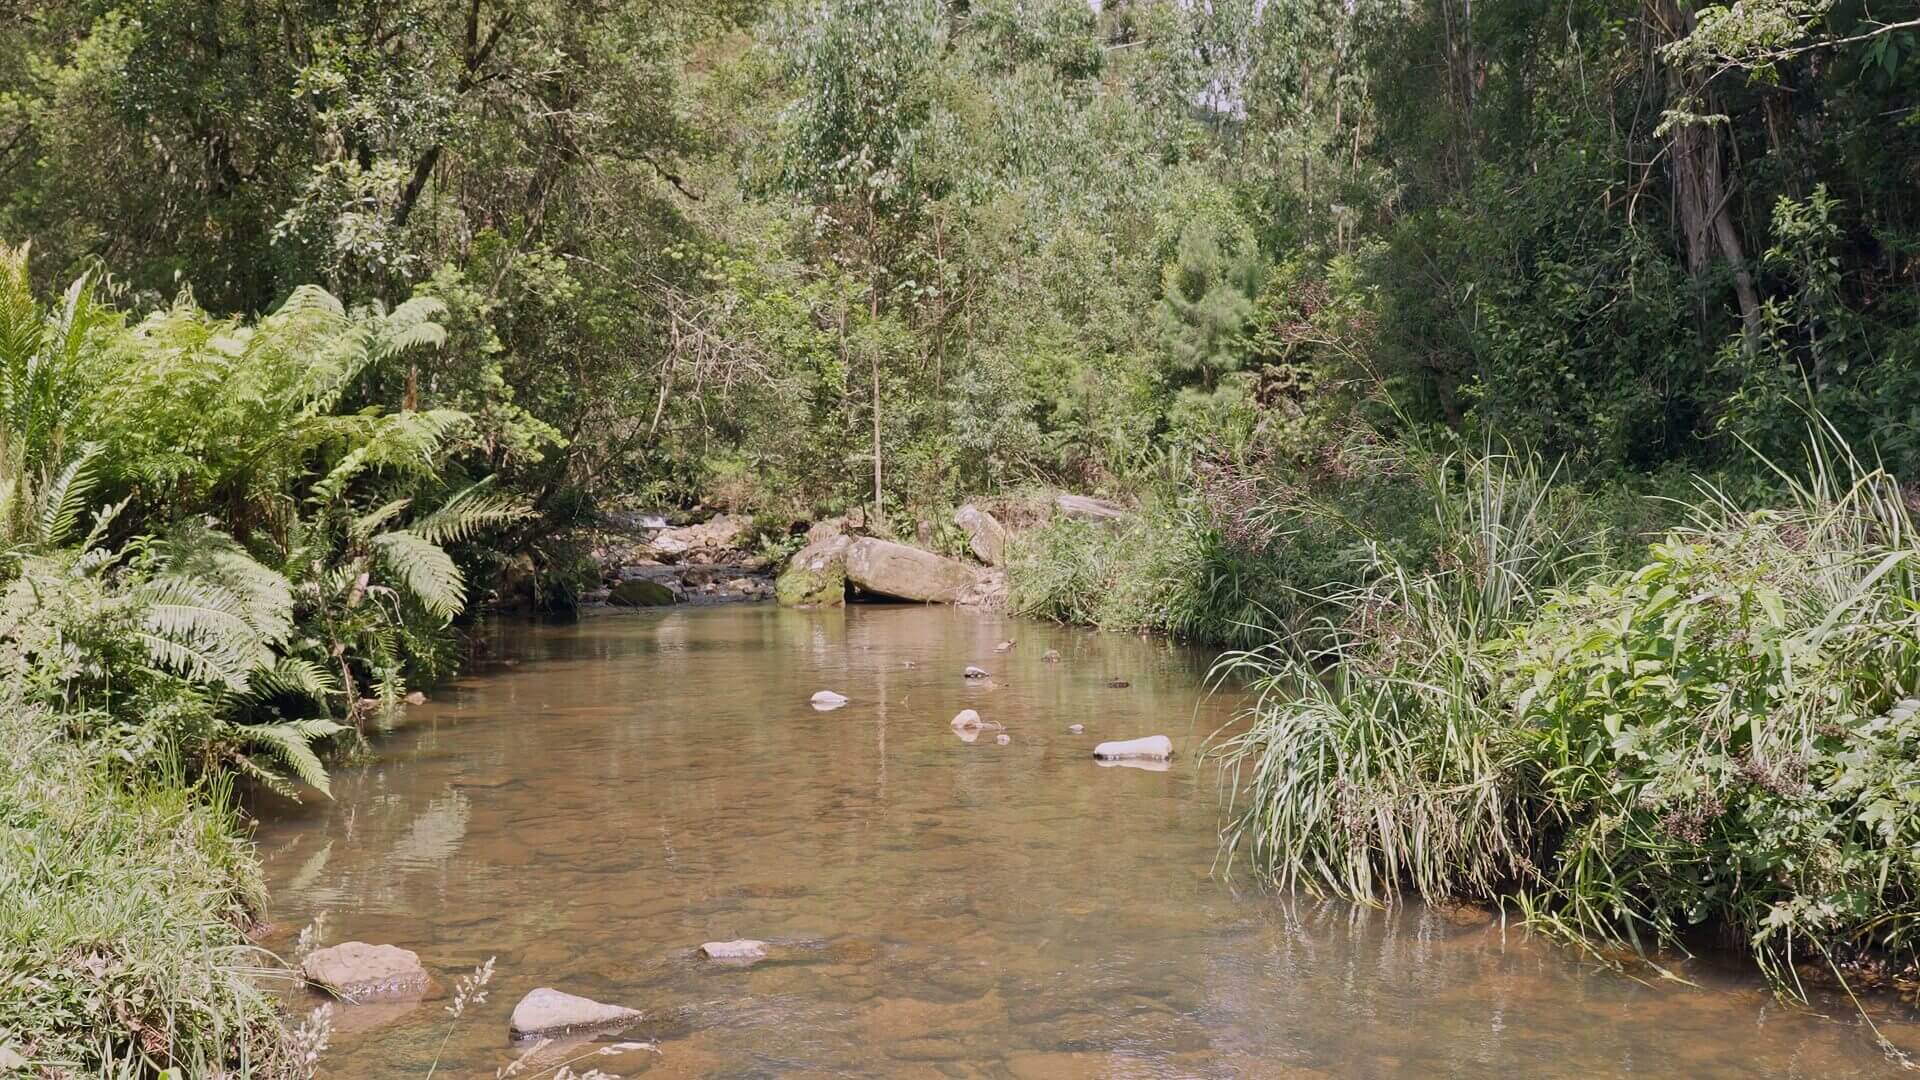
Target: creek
x,y
601,798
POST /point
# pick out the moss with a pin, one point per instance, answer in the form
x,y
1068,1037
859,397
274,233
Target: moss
x,y
801,586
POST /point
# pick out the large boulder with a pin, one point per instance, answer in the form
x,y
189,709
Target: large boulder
x,y
640,592
817,574
985,535
547,1011
355,971
1087,508
895,570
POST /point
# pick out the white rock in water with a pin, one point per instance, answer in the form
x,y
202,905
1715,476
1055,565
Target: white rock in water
x,y
1076,728
976,673
737,949
827,699
1151,748
1003,739
1005,646
549,1012
966,718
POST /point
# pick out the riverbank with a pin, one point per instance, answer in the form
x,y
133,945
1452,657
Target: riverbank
x,y
1637,742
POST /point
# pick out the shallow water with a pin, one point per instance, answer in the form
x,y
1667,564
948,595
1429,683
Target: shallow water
x,y
637,784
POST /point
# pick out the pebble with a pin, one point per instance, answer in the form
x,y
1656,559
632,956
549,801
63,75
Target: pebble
x,y
976,673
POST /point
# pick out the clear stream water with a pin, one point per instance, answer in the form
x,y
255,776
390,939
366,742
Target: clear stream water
x,y
616,792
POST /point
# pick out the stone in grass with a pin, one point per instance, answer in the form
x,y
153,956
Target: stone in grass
x,y
355,971
1151,748
547,1011
737,949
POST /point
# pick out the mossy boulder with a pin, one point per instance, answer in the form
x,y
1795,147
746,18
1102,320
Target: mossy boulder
x,y
641,593
817,575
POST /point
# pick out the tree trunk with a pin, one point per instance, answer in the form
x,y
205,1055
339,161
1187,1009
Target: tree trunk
x,y
1700,194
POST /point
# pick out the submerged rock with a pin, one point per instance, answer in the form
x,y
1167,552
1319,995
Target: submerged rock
x,y
817,575
895,570
1005,646
1051,656
827,699
1118,684
641,593
1151,748
355,971
1003,738
546,1011
976,673
737,949
985,535
1076,729
966,718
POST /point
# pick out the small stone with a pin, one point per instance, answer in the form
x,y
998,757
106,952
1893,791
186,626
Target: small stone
x,y
1076,728
1151,748
1005,646
737,949
546,1011
416,698
1118,684
1003,738
966,718
976,673
355,971
1051,656
827,699
908,663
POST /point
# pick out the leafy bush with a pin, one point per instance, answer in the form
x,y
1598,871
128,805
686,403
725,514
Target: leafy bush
x,y
1722,738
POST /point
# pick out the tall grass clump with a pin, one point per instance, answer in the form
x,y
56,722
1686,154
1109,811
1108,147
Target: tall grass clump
x,y
1373,758
1718,741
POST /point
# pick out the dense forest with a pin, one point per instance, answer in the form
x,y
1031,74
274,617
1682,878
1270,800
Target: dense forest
x,y
1442,347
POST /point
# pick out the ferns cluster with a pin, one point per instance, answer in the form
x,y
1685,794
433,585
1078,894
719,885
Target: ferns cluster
x,y
216,554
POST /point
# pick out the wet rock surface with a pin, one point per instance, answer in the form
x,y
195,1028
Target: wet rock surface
x,y
884,568
546,1011
355,971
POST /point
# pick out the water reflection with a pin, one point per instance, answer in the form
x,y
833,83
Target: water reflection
x,y
645,782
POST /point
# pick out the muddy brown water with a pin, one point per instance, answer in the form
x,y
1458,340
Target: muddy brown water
x,y
631,786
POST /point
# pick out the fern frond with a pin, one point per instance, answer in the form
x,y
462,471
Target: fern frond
x,y
469,511
66,497
425,569
291,741
200,629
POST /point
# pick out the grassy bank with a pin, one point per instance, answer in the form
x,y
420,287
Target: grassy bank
x,y
121,938
1642,735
